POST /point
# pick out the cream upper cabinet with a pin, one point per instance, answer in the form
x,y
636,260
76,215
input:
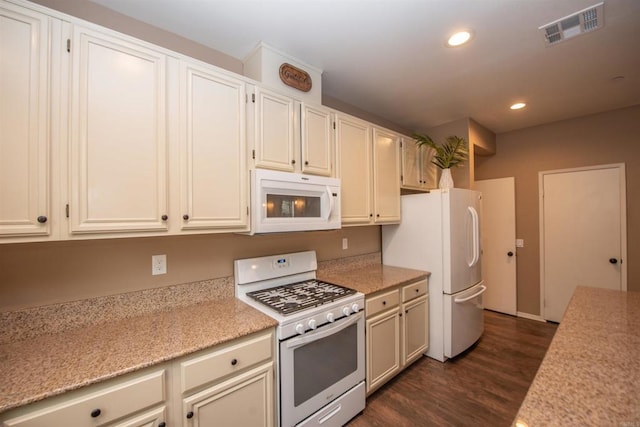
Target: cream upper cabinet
x,y
418,173
353,146
118,136
274,125
25,149
316,140
213,174
291,136
386,174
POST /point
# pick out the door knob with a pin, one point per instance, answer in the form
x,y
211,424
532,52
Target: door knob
x,y
613,260
509,253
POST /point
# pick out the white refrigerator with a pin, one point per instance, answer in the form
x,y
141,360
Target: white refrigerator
x,y
440,233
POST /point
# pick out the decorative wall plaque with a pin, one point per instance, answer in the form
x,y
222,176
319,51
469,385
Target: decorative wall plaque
x,y
295,77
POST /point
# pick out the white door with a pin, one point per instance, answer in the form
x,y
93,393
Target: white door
x,y
582,233
461,243
498,243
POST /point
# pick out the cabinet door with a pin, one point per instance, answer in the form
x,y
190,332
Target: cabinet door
x,y
429,171
213,170
243,400
383,348
411,164
317,141
24,109
415,327
118,159
153,418
353,142
386,173
274,127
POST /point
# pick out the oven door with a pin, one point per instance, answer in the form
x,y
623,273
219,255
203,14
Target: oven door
x,y
319,366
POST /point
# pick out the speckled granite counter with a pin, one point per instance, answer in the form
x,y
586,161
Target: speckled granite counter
x,y
50,364
591,372
371,278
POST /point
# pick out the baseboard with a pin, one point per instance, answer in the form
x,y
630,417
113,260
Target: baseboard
x,y
530,316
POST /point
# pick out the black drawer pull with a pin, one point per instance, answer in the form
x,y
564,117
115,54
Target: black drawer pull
x,y
165,217
42,219
384,303
96,413
162,424
190,414
234,362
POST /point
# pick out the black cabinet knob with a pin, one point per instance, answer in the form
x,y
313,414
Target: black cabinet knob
x,y
384,303
190,414
162,424
42,219
377,215
370,215
306,162
613,260
234,362
185,217
95,413
165,217
293,162
509,253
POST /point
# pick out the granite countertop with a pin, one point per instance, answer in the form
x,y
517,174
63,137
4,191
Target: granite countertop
x,y
372,278
591,373
51,364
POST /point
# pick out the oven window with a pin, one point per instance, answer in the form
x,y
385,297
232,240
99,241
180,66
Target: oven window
x,y
285,206
320,364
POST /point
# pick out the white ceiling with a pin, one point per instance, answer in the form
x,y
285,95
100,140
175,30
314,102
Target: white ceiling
x,y
388,57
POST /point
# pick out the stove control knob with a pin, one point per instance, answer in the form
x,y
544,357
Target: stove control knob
x,y
330,317
312,324
346,311
300,328
355,307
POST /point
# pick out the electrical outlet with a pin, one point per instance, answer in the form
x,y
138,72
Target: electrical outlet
x,y
158,264
519,243
345,243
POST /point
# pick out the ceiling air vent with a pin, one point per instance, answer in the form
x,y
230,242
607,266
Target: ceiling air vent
x,y
589,19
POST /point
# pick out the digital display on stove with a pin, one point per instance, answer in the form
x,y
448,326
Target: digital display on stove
x,y
281,263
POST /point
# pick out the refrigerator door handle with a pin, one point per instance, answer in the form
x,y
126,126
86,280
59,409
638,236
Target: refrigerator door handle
x,y
477,294
475,236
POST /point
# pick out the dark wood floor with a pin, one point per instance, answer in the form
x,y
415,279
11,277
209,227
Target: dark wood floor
x,y
482,387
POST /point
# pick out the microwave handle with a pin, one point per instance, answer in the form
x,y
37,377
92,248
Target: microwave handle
x,y
330,203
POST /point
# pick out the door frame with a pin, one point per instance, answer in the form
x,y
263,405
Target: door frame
x,y
623,221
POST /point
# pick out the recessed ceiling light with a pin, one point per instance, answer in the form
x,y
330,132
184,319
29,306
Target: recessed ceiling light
x,y
459,38
518,106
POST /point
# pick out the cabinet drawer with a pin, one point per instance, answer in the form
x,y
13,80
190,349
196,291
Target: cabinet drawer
x,y
99,408
220,363
414,290
381,302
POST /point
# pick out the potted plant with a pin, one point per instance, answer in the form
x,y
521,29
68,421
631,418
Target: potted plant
x,y
447,156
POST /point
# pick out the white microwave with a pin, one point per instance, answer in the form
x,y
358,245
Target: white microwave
x,y
285,201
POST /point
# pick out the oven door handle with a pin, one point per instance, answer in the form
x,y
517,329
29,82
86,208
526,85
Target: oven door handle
x,y
324,332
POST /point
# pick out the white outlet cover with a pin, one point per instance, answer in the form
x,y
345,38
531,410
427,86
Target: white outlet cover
x,y
158,264
345,243
519,243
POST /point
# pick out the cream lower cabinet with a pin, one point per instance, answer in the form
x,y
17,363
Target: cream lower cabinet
x,y
418,173
368,160
25,140
397,331
232,385
135,400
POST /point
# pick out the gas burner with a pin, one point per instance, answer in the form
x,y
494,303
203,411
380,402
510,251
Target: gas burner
x,y
287,299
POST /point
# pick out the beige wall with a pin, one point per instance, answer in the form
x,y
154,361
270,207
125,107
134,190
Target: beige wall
x,y
611,137
34,274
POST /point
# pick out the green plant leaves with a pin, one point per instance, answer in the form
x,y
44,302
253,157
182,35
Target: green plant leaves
x,y
448,155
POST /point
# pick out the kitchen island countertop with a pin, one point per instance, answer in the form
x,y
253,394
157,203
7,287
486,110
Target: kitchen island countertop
x,y
373,278
590,374
51,364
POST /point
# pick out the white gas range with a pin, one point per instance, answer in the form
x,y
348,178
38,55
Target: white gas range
x,y
320,334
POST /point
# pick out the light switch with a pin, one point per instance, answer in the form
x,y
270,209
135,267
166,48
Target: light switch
x,y
519,243
345,243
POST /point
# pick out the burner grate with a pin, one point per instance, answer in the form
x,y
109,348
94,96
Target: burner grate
x,y
287,299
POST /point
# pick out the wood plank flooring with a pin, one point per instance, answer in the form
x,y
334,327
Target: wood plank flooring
x,y
484,386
